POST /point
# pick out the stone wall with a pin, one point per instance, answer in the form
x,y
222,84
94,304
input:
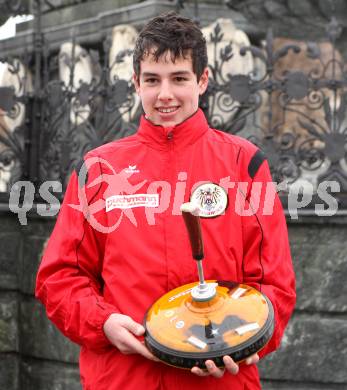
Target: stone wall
x,y
313,354
33,354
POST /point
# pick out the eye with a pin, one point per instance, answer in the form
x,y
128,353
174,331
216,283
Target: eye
x,y
180,79
151,80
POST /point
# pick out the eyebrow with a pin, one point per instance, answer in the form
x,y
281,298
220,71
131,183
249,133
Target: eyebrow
x,y
178,73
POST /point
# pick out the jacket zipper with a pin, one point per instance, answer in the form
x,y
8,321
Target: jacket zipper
x,y
168,227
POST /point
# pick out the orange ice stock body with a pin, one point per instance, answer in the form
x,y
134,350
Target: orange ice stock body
x,y
232,310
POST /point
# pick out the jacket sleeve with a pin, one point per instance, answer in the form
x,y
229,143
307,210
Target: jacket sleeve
x,y
267,263
69,280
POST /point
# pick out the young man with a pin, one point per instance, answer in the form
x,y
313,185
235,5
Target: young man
x,y
105,264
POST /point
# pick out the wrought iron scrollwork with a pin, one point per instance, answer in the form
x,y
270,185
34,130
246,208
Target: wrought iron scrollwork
x,y
82,114
13,7
15,100
296,116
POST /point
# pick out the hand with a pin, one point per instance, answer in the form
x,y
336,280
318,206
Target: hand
x,y
122,330
229,363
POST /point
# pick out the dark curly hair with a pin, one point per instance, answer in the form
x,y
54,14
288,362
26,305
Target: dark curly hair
x,y
176,34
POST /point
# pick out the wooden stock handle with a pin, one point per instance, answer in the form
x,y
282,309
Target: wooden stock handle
x,y
190,213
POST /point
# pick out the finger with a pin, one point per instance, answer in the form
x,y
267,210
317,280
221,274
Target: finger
x,y
147,354
230,365
133,327
135,346
213,369
198,371
252,359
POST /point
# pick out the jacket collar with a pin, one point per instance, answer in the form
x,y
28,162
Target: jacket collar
x,y
181,135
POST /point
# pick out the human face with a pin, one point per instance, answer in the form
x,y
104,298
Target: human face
x,y
169,91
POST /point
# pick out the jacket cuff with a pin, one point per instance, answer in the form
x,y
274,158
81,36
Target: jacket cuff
x,y
101,341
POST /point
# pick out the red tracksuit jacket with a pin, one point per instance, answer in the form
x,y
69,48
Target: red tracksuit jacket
x,y
99,262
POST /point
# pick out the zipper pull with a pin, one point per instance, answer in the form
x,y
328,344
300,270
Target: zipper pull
x,y
169,135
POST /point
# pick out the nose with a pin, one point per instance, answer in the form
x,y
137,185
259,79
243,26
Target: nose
x,y
165,92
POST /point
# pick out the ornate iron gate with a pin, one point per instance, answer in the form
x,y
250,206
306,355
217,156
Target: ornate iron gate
x,y
297,117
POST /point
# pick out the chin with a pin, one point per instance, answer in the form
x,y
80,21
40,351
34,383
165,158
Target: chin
x,y
168,122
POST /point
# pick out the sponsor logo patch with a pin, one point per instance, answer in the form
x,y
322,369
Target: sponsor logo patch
x,y
131,201
211,199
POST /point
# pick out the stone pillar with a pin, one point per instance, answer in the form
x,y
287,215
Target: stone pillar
x,y
30,345
313,354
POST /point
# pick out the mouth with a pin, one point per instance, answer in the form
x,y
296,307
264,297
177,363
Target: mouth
x,y
167,110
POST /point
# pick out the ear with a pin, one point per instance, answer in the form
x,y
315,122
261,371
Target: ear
x,y
203,82
136,82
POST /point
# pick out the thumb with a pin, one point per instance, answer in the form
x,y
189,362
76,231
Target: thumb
x,y
134,327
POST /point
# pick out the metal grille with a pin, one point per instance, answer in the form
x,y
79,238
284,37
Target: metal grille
x,y
297,117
